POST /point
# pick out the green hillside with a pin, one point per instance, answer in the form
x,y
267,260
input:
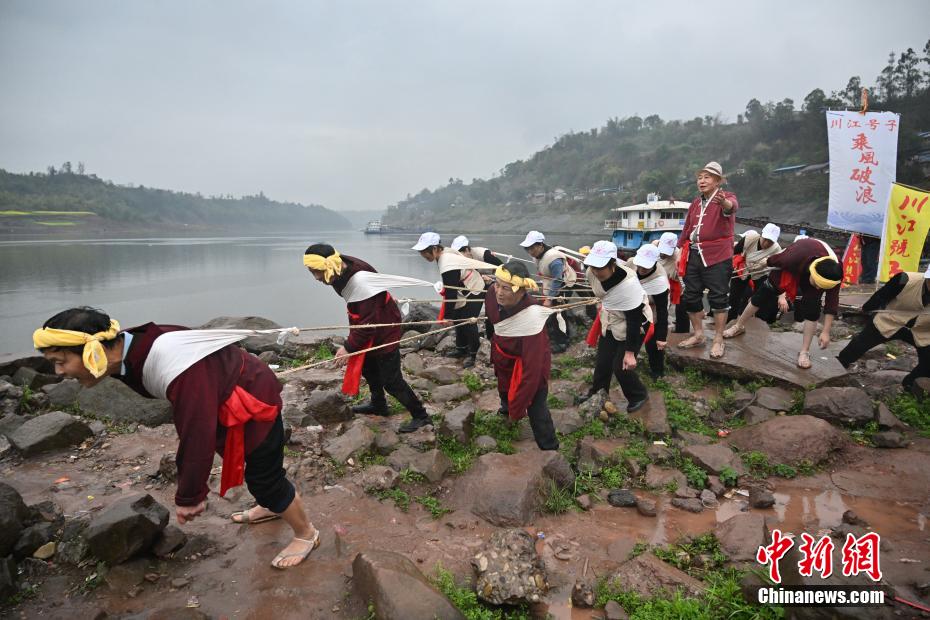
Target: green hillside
x,y
570,185
67,198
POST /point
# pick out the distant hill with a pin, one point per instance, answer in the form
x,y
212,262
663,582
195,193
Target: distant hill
x,y
773,155
65,198
359,219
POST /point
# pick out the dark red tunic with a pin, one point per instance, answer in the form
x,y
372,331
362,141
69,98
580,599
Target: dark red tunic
x,y
196,396
378,309
796,259
534,351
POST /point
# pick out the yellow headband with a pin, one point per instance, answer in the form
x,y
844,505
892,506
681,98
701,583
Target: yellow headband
x,y
820,281
585,250
329,265
95,358
515,282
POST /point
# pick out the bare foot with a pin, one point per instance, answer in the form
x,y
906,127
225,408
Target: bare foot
x,y
717,351
693,341
298,550
255,514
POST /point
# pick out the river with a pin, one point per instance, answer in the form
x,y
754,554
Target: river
x,y
189,280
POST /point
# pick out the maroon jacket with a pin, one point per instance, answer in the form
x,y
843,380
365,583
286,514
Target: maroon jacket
x,y
796,259
196,396
533,350
378,309
715,235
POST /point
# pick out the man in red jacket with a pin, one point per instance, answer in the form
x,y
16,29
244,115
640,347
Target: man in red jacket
x,y
368,306
226,402
521,360
707,243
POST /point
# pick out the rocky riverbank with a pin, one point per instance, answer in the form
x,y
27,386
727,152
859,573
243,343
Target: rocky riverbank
x,y
468,516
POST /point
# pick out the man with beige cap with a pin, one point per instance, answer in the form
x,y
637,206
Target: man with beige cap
x,y
707,245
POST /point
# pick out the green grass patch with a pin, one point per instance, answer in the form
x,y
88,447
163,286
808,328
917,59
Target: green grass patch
x,y
465,599
759,467
913,412
492,424
472,382
400,497
697,477
409,476
728,476
436,509
554,402
556,500
569,362
695,379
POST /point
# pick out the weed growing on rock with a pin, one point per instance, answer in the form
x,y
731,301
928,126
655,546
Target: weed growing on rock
x,y
433,505
757,462
466,600
695,379
554,402
556,500
912,411
697,477
472,382
400,497
696,556
498,427
681,414
409,476
728,476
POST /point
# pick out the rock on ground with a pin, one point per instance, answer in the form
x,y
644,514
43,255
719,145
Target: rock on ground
x,y
754,414
887,421
714,458
50,431
328,407
33,379
356,439
654,416
840,405
566,421
791,439
506,490
458,423
508,570
170,540
649,576
397,589
62,394
443,375
13,514
433,464
127,527
115,401
741,536
774,398
378,478
658,477
447,393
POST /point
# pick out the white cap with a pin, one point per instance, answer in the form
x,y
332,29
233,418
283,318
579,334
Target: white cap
x,y
646,256
667,243
459,242
799,237
927,273
771,232
602,253
426,240
532,238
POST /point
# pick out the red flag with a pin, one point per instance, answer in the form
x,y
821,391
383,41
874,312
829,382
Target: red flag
x,y
852,260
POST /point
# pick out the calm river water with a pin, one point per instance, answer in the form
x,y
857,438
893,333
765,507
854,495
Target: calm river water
x,y
189,280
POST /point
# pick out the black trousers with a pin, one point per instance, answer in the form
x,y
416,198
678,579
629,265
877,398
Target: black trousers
x,y
382,372
870,337
540,419
656,358
264,471
682,320
740,295
466,336
806,308
558,338
715,278
610,362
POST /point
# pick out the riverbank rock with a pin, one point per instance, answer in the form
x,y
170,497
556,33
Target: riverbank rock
x,y
774,398
378,478
756,415
594,454
13,514
356,439
397,589
649,576
887,421
115,401
791,439
127,527
659,477
714,458
328,407
50,431
170,540
443,375
505,490
432,464
840,405
654,416
508,570
741,536
458,423
32,378
252,344
62,394
448,393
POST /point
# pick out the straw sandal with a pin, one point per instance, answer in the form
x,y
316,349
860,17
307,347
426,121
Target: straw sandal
x,y
804,360
717,356
734,330
311,545
695,343
245,520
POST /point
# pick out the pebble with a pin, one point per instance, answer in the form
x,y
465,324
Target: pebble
x,y
180,582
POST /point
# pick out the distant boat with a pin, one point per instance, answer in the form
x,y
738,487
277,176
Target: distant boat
x,y
374,227
637,224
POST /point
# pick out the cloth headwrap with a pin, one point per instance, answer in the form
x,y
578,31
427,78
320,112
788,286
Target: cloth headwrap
x,y
95,358
329,265
820,281
515,282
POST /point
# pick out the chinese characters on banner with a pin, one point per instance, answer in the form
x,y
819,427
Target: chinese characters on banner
x,y
863,163
852,260
905,231
858,555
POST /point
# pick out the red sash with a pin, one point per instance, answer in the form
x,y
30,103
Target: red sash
x,y
595,332
739,264
516,377
650,333
674,291
239,408
683,259
442,306
353,374
788,285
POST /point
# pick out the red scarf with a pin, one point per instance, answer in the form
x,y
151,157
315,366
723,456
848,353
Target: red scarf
x,y
442,306
683,259
516,377
595,332
353,374
739,264
674,291
239,408
788,284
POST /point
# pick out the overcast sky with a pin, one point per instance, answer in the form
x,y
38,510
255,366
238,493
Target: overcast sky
x,y
354,104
